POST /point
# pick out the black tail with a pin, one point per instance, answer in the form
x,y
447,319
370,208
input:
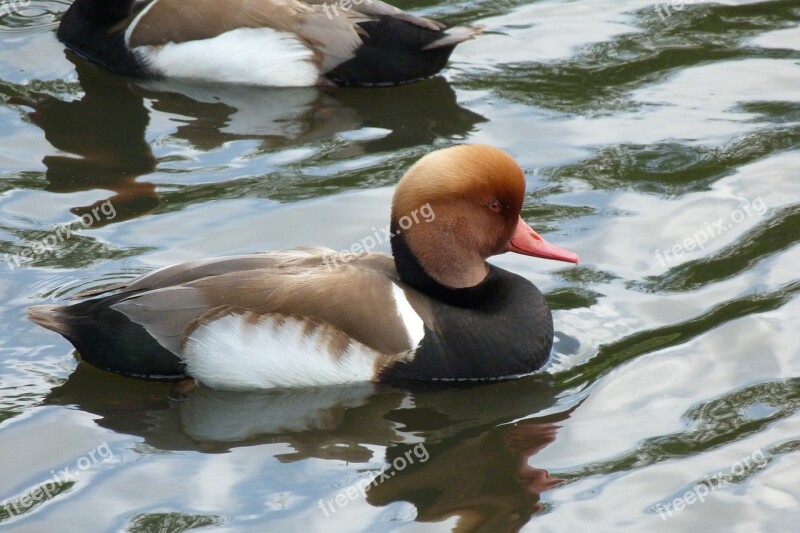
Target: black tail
x,y
106,339
396,51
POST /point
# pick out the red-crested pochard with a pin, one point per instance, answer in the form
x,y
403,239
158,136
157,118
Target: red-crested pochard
x,y
434,310
281,43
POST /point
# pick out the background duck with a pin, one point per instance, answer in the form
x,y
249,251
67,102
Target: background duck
x,y
261,42
436,310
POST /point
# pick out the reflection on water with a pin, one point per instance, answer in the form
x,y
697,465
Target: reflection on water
x,y
394,118
103,135
478,455
104,132
635,133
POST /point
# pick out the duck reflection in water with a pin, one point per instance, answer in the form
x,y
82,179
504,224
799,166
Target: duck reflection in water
x,y
102,134
396,118
485,481
479,453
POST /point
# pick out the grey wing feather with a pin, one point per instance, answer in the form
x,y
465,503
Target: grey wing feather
x,y
165,313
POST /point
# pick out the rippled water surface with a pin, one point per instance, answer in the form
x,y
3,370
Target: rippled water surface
x,y
662,145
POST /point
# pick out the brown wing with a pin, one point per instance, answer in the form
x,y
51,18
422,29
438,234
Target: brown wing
x,y
180,21
355,297
333,38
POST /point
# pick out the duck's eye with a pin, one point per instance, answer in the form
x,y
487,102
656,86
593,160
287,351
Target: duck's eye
x,y
495,206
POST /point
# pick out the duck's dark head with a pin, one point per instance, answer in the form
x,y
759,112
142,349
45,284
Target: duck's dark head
x,y
458,206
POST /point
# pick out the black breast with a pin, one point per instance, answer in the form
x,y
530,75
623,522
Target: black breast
x,y
503,328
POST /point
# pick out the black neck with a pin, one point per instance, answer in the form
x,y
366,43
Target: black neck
x,y
105,11
414,275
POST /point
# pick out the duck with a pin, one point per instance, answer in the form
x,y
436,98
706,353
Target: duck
x,y
433,310
279,43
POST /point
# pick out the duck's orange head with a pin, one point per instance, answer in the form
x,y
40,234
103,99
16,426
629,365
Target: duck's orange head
x,y
457,206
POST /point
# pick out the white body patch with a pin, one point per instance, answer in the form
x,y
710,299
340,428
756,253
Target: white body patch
x,y
254,56
415,328
234,353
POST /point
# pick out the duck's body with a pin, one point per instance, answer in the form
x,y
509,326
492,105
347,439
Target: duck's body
x,y
434,311
260,42
286,319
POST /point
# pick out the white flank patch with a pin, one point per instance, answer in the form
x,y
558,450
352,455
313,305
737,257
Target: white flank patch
x,y
415,328
254,56
232,353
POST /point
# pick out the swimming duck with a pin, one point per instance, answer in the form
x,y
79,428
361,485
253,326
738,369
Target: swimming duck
x,y
433,310
288,43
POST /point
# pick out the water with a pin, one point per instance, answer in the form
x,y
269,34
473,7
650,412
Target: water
x,y
663,148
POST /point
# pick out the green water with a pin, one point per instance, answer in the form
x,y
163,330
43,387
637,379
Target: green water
x,y
662,145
